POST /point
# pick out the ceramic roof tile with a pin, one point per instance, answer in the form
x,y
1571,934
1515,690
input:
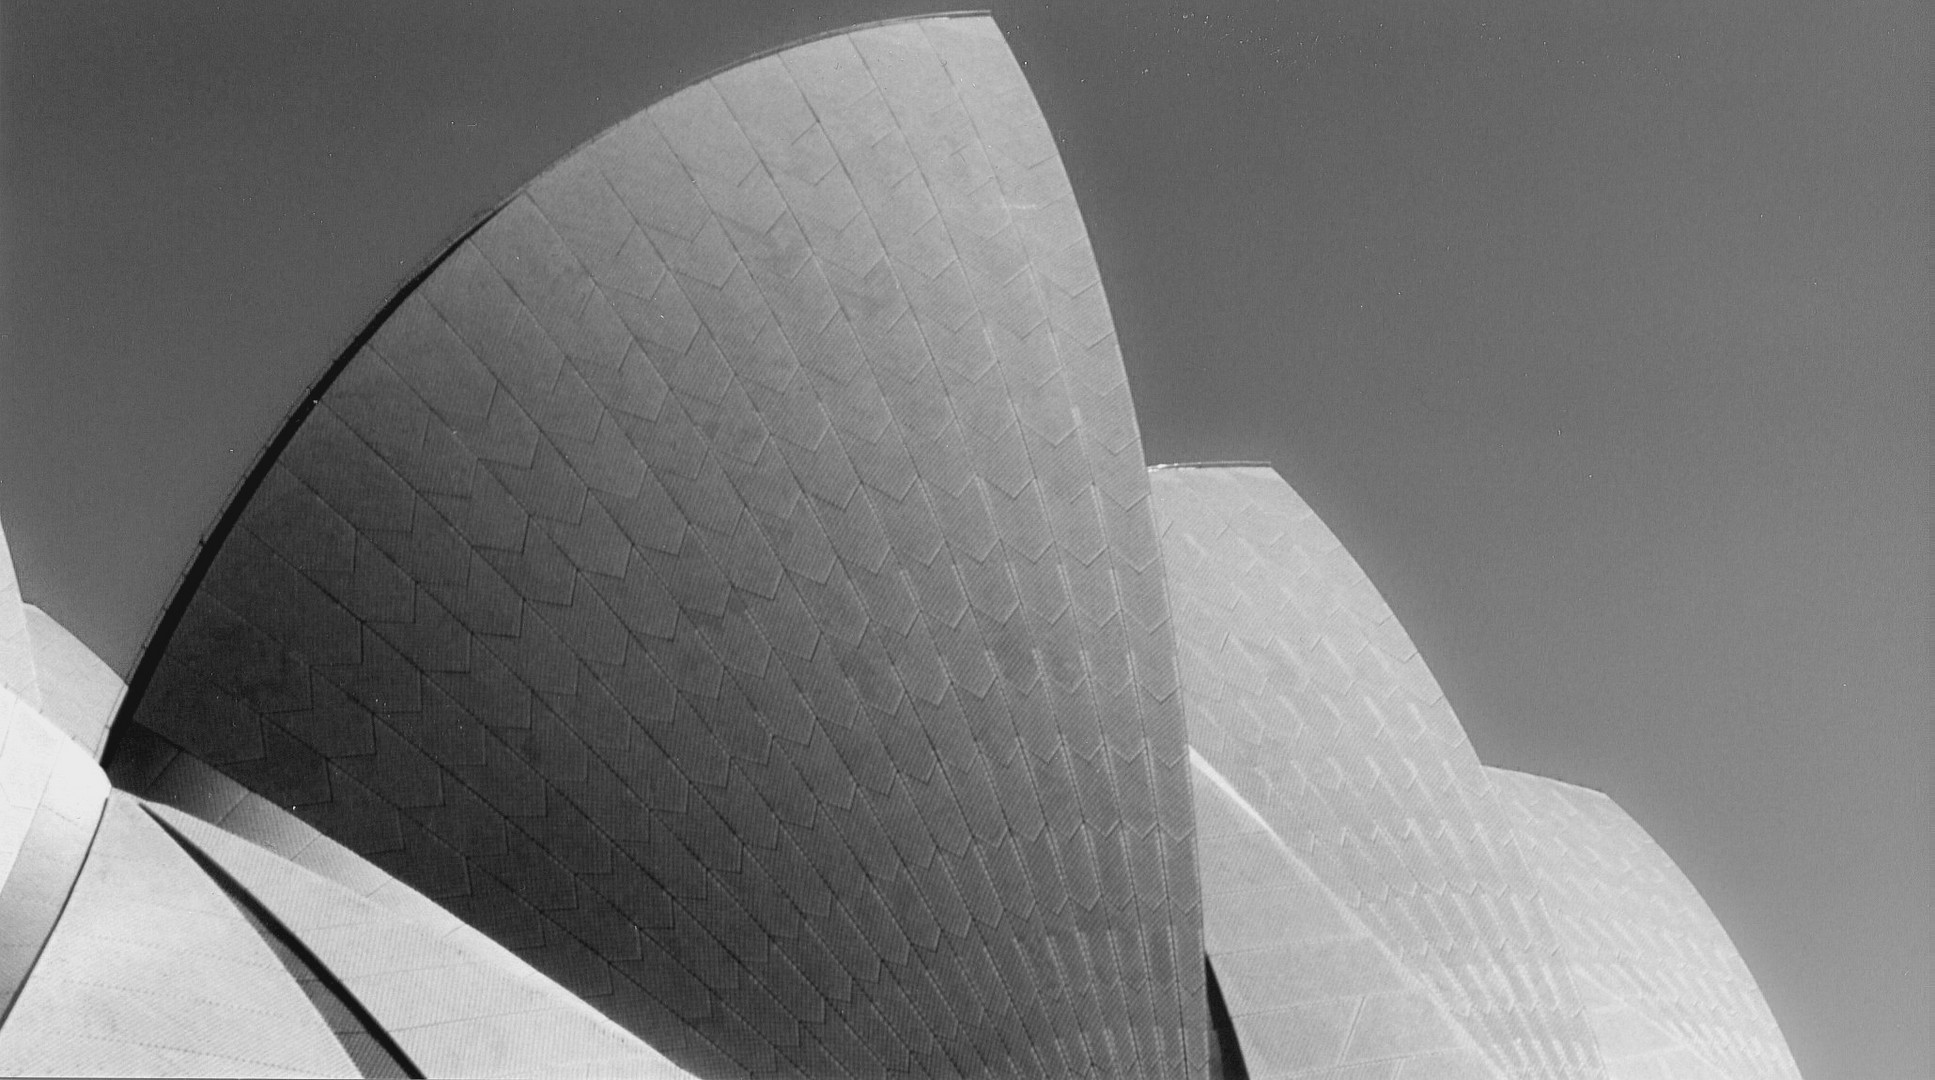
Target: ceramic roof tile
x,y
1299,726
1665,988
1311,988
523,349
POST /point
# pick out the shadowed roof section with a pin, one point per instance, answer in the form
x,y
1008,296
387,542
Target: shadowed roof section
x,y
406,977
728,581
1305,694
367,931
1666,993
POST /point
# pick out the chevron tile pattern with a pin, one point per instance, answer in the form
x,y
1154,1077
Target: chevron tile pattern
x,y
1305,693
1312,992
154,972
1667,993
729,583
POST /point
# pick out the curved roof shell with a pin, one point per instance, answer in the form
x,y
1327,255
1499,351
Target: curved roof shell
x,y
727,580
413,988
451,1008
1666,992
1305,694
56,699
153,971
47,669
17,670
1311,991
52,795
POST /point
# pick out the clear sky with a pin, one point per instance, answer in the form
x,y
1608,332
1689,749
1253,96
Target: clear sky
x,y
1598,332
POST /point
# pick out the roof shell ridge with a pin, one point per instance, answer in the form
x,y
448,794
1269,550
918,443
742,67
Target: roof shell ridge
x,y
18,671
1212,465
1573,785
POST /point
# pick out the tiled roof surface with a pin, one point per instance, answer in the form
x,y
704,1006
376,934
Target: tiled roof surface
x,y
1666,992
154,972
304,880
728,581
51,791
56,702
453,1011
26,759
369,1048
78,691
1305,693
51,795
16,644
1312,992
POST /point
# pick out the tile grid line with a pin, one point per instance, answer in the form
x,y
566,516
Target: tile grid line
x,y
908,315
1182,1009
674,276
671,270
1477,825
698,785
70,881
471,866
265,922
1096,830
815,256
842,314
712,559
484,642
528,605
1082,946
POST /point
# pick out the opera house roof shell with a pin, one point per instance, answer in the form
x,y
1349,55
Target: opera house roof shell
x,y
717,621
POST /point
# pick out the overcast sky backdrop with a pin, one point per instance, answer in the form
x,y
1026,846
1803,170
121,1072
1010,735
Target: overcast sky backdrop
x,y
1599,333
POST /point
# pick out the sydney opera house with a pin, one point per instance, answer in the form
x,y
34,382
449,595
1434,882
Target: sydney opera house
x,y
718,621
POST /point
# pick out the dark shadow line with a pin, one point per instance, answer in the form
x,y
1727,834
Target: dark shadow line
x,y
1226,1048
324,975
67,897
211,543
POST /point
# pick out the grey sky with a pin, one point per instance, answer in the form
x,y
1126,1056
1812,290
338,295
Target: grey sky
x,y
1599,333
